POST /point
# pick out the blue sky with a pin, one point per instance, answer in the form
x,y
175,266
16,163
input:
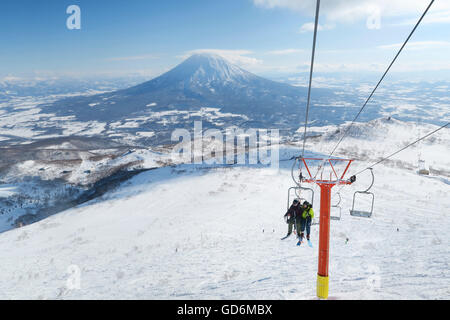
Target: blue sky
x,y
267,37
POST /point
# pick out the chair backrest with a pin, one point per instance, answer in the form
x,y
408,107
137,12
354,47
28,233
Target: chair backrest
x,y
298,195
337,205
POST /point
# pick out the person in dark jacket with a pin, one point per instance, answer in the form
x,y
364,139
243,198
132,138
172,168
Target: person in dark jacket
x,y
292,217
305,221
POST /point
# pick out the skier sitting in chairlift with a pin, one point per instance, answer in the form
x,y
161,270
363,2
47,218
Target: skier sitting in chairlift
x,y
307,214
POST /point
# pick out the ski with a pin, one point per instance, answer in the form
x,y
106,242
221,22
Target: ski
x,y
285,237
310,243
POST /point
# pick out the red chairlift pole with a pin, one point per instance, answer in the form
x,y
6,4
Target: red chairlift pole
x,y
324,222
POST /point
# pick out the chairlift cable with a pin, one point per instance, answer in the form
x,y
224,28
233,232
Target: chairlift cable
x,y
368,99
382,78
316,23
409,145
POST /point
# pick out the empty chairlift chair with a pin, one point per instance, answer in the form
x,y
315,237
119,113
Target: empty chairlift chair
x,y
338,207
362,213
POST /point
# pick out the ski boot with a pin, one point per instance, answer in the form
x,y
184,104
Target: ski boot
x,y
300,239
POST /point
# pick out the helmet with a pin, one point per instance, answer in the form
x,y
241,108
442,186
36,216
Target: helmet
x,y
295,201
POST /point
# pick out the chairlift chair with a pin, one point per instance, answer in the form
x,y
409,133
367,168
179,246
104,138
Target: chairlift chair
x,y
337,205
362,213
422,168
297,191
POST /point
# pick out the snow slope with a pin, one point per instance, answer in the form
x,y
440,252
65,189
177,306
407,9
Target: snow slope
x,y
190,232
376,139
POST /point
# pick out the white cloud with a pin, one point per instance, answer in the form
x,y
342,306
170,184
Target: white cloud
x,y
309,27
132,58
438,17
285,52
354,10
342,67
432,17
418,45
376,67
239,57
11,79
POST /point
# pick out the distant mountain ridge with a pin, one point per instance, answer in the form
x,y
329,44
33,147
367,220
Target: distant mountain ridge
x,y
203,87
201,81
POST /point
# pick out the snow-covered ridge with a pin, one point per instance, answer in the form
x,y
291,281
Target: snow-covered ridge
x,y
373,140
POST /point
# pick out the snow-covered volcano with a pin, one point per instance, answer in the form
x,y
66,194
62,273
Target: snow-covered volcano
x,y
208,80
204,69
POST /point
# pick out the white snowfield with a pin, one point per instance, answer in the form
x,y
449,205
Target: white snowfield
x,y
373,140
190,232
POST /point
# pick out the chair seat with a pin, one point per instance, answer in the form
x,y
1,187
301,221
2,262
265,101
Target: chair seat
x,y
358,213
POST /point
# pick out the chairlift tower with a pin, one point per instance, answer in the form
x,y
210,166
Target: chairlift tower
x,y
324,223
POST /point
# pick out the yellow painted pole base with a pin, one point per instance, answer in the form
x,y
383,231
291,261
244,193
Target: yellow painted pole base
x,y
322,287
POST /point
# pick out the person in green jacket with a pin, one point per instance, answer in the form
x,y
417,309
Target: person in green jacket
x,y
305,222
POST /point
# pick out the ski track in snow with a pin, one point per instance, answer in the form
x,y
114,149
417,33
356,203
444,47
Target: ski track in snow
x,y
186,233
